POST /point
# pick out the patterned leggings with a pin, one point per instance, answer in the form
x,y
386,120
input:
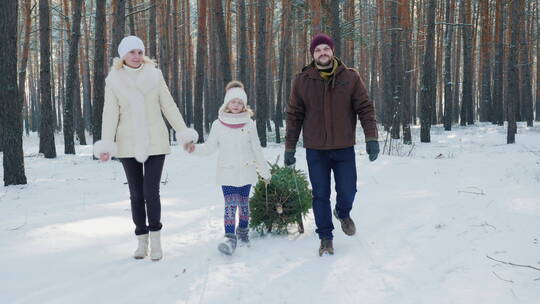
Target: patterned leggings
x,y
236,197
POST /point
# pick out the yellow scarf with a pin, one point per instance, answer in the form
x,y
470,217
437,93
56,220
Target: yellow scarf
x,y
327,75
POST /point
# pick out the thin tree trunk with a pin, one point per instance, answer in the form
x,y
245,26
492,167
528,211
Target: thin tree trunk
x,y
71,81
223,45
396,68
118,26
152,30
85,69
525,79
262,97
513,74
99,69
336,26
27,9
315,11
428,86
200,69
406,37
498,82
485,65
448,67
467,103
46,135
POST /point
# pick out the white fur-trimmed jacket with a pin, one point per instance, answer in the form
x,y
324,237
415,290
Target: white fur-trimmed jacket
x,y
132,124
240,155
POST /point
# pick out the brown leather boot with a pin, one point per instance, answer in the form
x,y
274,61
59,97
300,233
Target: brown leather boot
x,y
326,246
347,224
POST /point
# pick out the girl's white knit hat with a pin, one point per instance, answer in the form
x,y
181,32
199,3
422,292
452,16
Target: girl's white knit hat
x,y
130,43
233,93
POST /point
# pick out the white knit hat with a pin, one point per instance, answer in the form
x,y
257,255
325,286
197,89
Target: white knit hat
x,y
233,93
130,43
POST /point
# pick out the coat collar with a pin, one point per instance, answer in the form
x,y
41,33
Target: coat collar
x,y
313,73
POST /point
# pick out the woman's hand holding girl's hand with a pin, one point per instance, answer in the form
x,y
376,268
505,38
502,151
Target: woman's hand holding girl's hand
x,y
189,147
104,156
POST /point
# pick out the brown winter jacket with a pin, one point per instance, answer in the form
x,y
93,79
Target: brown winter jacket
x,y
327,110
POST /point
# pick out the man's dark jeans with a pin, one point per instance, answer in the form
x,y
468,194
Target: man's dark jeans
x,y
320,164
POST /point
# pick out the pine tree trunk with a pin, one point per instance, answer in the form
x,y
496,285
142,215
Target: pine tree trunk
x,y
132,30
152,29
242,50
513,74
467,103
10,107
200,69
315,9
85,70
262,97
537,65
396,69
485,65
448,66
27,9
71,81
188,81
175,89
406,38
498,75
286,17
223,45
46,135
336,26
525,79
428,85
118,26
99,70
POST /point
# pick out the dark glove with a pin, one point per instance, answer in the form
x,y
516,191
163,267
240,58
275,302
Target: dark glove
x,y
372,148
289,158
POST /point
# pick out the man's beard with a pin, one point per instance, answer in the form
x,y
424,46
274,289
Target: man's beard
x,y
324,64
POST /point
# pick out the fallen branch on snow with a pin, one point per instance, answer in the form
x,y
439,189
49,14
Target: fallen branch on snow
x,y
502,278
512,264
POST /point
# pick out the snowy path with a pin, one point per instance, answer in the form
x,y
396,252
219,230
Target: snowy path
x,y
425,225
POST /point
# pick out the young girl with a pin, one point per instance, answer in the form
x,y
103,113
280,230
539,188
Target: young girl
x,y
240,158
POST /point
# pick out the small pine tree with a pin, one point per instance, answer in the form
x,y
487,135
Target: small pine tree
x,y
286,200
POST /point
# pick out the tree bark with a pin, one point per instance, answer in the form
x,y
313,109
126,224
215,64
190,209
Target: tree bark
x,y
46,134
200,69
513,74
467,102
447,117
72,80
118,26
99,69
11,108
262,97
428,85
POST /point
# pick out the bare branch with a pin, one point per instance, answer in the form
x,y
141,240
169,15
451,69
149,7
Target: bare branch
x,y
512,264
502,278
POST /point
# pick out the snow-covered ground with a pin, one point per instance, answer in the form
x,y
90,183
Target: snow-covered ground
x,y
427,219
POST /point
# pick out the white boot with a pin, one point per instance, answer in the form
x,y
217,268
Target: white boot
x,y
142,248
155,246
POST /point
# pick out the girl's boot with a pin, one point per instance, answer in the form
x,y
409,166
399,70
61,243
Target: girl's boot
x,y
228,245
243,236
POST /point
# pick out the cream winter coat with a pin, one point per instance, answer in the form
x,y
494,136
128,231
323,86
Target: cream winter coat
x,y
240,154
132,114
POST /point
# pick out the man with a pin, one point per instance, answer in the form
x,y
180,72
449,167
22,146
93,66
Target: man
x,y
326,99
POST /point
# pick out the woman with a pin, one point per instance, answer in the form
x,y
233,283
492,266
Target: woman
x,y
134,131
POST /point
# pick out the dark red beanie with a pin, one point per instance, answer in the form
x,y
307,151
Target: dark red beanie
x,y
320,39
